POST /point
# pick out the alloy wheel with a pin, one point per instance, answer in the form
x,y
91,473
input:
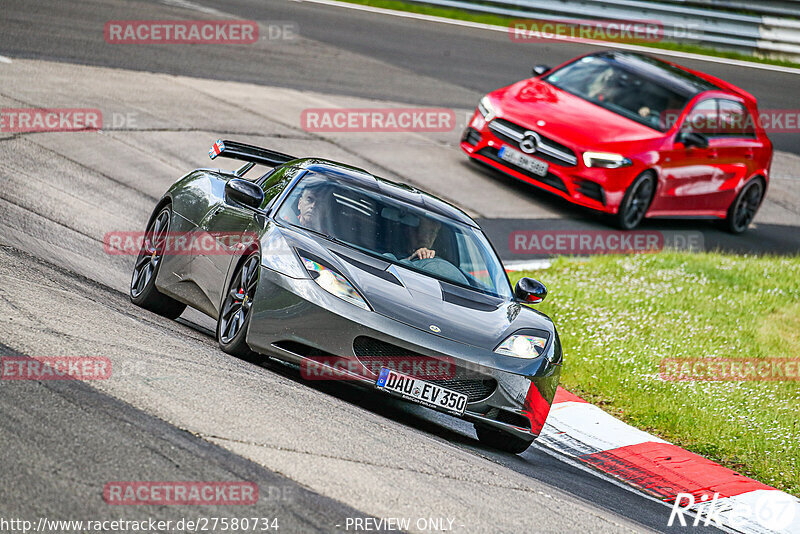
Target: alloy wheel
x,y
239,299
747,207
639,202
151,253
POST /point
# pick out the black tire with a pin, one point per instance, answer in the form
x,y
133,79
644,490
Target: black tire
x,y
234,317
636,202
143,290
744,207
501,440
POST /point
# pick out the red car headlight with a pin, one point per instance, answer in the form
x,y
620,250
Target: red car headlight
x,y
487,109
605,160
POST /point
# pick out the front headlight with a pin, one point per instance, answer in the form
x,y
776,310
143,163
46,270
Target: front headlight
x,y
522,346
488,110
605,160
278,256
334,283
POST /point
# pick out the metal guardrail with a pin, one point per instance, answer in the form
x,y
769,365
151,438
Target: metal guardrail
x,y
787,8
767,30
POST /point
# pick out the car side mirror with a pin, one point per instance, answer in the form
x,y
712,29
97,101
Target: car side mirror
x,y
538,70
530,291
694,139
245,193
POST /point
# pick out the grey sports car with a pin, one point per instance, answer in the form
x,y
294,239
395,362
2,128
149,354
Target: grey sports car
x,y
354,277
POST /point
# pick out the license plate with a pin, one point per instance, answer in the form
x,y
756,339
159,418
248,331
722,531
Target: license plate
x,y
536,166
422,392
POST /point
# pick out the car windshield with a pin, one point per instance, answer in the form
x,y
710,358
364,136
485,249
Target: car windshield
x,y
397,232
615,88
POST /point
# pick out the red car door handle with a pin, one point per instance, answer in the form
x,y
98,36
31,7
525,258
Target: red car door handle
x,y
713,154
749,154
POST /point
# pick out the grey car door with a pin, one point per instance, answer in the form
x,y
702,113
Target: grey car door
x,y
232,227
225,228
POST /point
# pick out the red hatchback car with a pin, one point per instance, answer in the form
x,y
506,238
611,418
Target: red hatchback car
x,y
629,135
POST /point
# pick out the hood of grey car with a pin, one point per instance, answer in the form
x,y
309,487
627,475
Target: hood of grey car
x,y
443,309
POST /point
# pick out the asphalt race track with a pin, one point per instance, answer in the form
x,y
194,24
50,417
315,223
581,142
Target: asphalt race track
x,y
176,407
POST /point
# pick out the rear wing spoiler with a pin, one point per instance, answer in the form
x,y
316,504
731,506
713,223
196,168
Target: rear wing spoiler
x,y
249,153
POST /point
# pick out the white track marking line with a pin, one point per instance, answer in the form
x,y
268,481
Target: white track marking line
x,y
4,59
530,265
191,5
594,427
490,27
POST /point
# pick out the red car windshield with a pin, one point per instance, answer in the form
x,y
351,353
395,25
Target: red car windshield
x,y
608,85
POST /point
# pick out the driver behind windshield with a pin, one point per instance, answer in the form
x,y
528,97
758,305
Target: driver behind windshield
x,y
425,236
312,207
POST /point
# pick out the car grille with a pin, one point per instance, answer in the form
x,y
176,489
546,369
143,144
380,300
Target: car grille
x,y
550,179
590,189
547,149
374,354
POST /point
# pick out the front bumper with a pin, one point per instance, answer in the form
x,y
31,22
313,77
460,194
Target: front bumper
x,y
595,188
295,320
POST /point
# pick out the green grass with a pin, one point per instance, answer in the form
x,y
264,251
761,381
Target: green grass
x,y
496,20
618,316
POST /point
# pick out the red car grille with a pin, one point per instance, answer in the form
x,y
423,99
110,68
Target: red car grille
x,y
547,149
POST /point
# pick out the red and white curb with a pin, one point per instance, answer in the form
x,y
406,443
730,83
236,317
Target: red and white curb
x,y
714,494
